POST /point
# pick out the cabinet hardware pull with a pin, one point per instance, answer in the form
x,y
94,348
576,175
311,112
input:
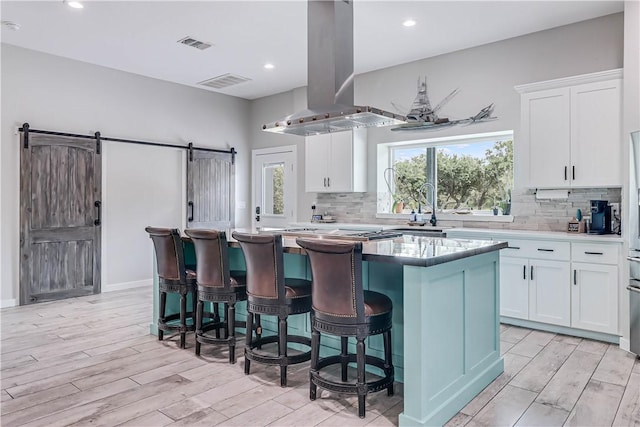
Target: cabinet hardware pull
x,y
545,250
593,253
190,206
524,272
328,182
573,172
325,182
633,259
513,247
565,173
531,274
575,277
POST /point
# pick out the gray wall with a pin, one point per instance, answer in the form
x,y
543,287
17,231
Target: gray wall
x,y
142,185
484,74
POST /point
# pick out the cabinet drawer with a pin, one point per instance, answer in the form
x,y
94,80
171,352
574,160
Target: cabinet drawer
x,y
517,248
538,249
594,253
558,251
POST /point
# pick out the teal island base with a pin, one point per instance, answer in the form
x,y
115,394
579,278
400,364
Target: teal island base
x,y
445,334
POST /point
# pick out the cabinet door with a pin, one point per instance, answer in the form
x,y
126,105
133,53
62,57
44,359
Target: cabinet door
x,y
514,287
594,297
595,134
316,159
549,292
341,163
546,133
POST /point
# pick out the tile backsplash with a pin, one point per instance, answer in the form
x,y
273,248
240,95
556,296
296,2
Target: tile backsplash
x,y
529,213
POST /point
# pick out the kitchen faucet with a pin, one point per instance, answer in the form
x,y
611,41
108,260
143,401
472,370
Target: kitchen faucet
x,y
433,221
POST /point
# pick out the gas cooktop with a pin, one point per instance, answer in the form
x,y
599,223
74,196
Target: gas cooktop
x,y
340,234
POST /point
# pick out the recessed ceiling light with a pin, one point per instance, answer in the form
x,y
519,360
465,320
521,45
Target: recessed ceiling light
x,y
75,4
269,66
409,23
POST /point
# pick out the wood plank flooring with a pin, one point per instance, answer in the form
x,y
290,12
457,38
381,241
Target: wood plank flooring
x,y
91,361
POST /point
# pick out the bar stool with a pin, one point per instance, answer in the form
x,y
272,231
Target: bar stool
x,y
173,277
216,284
341,307
270,293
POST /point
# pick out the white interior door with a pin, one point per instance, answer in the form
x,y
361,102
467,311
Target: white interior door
x,y
274,186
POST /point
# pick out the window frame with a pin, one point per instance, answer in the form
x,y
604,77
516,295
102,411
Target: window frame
x,y
385,159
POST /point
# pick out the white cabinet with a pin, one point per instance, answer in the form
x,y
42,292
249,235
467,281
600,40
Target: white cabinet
x,y
571,131
594,290
565,281
514,287
336,162
549,293
534,281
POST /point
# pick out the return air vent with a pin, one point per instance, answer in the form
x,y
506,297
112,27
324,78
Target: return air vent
x,y
224,80
190,41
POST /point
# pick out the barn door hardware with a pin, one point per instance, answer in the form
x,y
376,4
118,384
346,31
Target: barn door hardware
x,y
97,134
25,130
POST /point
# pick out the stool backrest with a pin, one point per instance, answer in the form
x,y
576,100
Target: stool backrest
x,y
265,264
212,257
169,253
336,267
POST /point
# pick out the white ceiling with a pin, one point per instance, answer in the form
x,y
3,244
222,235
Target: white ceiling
x,y
140,37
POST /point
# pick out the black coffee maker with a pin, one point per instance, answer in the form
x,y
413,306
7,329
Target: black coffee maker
x,y
600,217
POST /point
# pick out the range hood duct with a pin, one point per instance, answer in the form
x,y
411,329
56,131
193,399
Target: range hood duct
x,y
330,77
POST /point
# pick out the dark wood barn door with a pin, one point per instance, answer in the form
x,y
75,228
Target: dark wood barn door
x,y
60,190
210,190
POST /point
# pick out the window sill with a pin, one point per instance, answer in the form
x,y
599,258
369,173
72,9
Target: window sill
x,y
452,217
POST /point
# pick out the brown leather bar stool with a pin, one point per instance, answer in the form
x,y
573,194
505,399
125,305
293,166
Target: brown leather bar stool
x,y
173,277
270,293
341,307
216,284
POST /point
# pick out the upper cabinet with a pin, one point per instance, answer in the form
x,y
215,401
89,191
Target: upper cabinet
x,y
336,162
571,131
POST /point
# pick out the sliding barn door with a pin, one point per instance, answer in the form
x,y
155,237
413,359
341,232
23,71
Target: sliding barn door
x,y
210,190
60,188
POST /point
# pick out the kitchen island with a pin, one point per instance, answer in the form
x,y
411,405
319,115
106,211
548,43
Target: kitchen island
x,y
445,294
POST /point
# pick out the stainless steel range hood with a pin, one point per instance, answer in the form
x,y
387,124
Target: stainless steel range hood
x,y
330,77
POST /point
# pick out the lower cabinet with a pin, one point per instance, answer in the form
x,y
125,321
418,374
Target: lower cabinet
x,y
514,287
570,284
535,290
549,293
594,297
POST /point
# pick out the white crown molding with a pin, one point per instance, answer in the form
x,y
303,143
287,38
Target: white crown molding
x,y
570,81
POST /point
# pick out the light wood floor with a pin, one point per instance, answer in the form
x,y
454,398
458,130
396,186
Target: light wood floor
x,y
91,361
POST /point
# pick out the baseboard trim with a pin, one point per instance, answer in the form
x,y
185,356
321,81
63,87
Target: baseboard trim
x,y
127,285
625,344
599,336
6,303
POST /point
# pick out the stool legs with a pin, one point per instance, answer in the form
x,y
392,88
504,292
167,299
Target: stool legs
x,y
216,317
315,355
388,362
344,356
249,336
231,331
199,314
183,319
282,349
361,384
163,306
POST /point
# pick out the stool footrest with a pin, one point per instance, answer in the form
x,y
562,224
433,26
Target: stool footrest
x,y
274,359
351,388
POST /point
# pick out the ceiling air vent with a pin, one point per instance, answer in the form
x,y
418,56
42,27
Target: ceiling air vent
x,y
190,41
224,80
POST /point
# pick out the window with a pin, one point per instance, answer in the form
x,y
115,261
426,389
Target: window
x,y
465,175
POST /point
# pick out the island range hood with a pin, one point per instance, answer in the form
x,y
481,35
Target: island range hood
x,y
330,77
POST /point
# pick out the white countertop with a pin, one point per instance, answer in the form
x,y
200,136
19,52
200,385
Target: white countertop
x,y
533,234
489,232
